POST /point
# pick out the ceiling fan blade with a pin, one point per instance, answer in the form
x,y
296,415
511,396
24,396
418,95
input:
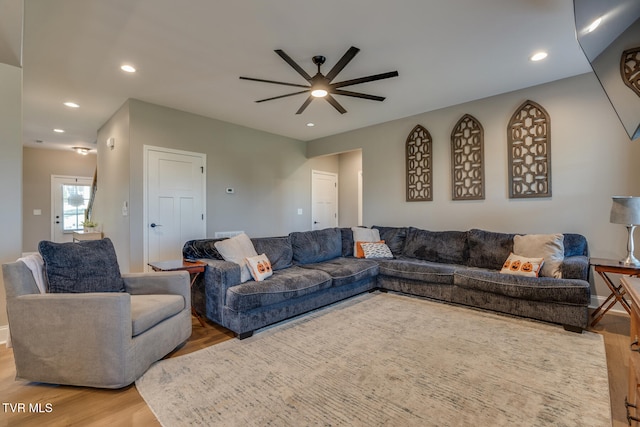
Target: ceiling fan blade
x,y
282,96
331,100
273,81
293,64
305,105
348,56
365,79
358,95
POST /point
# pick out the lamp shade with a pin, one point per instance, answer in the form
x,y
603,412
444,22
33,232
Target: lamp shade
x,y
625,210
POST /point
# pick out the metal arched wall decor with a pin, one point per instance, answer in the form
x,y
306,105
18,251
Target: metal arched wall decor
x,y
419,157
467,159
529,144
630,69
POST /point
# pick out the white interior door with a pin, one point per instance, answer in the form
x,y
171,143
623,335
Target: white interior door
x,y
69,199
324,200
175,201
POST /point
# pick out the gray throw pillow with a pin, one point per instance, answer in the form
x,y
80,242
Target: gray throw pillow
x,y
87,266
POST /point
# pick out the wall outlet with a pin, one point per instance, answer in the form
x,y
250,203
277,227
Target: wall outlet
x,y
299,211
37,211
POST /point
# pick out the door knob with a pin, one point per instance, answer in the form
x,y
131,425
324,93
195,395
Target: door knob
x,y
154,225
315,222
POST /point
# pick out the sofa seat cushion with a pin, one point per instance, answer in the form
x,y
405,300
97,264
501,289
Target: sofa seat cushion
x,y
545,289
287,284
413,269
149,310
344,271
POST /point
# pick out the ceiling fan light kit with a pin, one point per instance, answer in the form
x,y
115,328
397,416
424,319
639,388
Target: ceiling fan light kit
x,y
321,86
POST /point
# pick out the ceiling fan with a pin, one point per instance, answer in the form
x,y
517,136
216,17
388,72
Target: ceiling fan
x,y
320,85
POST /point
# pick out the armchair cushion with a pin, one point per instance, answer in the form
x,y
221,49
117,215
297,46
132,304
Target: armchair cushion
x,y
149,310
87,266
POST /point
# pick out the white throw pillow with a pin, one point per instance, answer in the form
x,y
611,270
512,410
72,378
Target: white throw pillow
x,y
362,234
522,266
237,249
547,246
260,267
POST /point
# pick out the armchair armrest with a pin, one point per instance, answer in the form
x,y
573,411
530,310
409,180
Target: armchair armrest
x,y
56,335
162,282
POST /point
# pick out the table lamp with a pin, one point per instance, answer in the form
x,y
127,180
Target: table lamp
x,y
626,210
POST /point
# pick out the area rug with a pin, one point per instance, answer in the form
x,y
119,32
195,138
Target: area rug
x,y
388,360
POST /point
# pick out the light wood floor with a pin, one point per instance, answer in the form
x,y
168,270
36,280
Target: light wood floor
x,y
80,406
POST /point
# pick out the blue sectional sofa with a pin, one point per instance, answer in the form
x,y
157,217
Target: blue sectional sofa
x,y
315,268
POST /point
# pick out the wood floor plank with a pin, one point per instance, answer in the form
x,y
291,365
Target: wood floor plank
x,y
83,406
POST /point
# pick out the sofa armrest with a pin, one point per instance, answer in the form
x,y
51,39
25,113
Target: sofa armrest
x,y
575,267
213,284
161,282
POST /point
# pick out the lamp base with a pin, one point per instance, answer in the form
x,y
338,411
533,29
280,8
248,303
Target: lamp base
x,y
630,261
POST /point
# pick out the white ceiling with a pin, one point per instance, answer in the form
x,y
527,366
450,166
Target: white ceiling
x,y
190,54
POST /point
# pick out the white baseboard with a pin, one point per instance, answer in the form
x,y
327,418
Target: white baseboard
x,y
596,300
4,334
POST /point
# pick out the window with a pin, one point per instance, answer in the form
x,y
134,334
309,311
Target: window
x,y
75,199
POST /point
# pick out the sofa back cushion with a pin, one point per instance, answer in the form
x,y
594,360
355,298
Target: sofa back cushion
x,y
316,246
449,247
277,249
394,237
347,241
575,245
488,249
201,248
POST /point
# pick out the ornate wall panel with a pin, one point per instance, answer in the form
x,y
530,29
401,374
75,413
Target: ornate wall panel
x,y
419,155
630,69
529,140
467,159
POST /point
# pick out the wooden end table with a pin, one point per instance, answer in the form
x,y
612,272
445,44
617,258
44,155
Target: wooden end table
x,y
602,266
193,267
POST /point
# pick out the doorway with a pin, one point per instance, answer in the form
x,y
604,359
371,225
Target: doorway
x,y
175,201
324,200
69,200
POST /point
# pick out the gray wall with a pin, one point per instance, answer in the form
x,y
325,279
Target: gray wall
x,y
10,174
350,165
270,174
592,160
38,166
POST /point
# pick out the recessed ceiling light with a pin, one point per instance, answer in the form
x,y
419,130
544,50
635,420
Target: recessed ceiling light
x,y
58,130
71,104
311,124
81,150
594,25
128,68
538,56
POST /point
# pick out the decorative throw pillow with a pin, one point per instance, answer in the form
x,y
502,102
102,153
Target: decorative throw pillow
x,y
547,246
362,234
359,253
260,267
87,266
376,250
522,266
237,249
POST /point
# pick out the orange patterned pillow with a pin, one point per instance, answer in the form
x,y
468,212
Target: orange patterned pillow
x,y
260,267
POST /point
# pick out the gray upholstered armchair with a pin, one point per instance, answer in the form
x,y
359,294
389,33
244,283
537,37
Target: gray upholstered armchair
x,y
96,339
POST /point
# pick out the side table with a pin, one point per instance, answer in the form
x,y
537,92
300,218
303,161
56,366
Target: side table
x,y
193,267
602,266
